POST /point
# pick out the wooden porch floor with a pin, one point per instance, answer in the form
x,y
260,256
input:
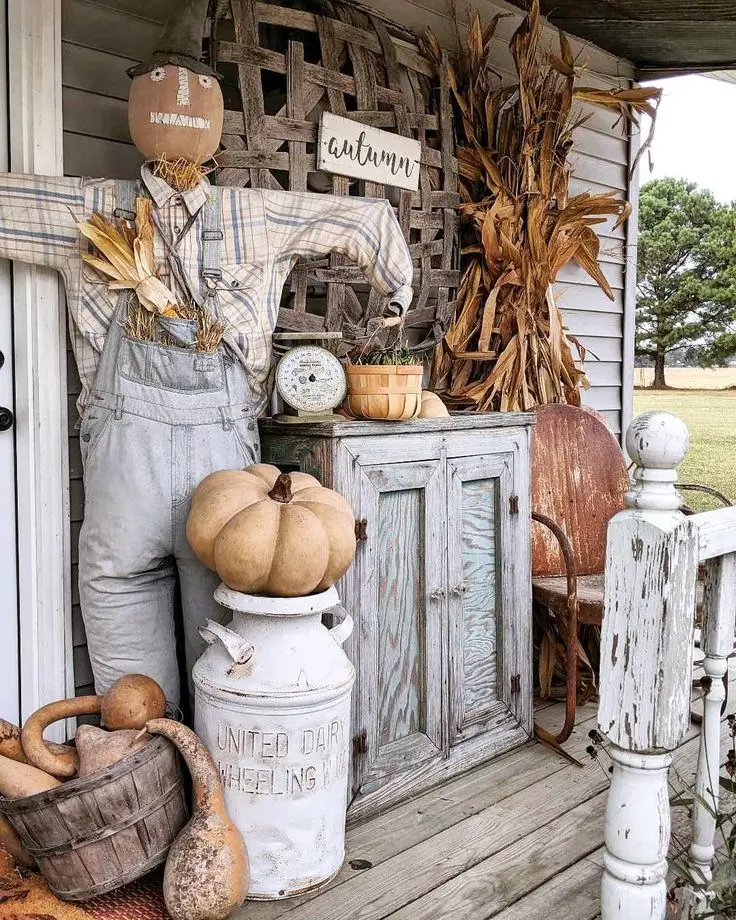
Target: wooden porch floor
x,y
519,838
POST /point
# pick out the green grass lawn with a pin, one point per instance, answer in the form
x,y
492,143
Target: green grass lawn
x,y
710,416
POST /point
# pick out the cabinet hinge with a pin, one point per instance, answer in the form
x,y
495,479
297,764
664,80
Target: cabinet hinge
x,y
516,683
360,743
361,530
514,504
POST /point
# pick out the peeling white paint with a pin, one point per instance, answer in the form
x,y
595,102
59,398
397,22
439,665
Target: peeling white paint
x,y
646,666
280,734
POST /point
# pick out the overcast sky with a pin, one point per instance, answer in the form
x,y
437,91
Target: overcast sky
x,y
695,136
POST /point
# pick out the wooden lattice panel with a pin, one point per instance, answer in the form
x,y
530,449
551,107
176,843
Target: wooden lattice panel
x,y
282,67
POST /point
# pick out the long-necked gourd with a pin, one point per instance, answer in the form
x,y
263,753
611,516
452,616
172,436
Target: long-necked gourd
x,y
11,746
206,874
129,703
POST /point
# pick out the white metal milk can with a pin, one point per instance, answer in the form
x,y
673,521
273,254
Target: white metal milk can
x,y
272,705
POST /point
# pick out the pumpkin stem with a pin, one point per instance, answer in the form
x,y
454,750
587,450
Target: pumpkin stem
x,y
281,491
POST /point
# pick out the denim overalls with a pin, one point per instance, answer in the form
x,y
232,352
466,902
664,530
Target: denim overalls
x,y
158,421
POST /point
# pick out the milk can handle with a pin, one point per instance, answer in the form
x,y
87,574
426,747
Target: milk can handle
x,y
238,648
344,628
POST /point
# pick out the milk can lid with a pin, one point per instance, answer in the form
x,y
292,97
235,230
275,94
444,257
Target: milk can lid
x,y
277,606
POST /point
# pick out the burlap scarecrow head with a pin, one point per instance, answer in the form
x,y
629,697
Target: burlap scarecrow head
x,y
175,108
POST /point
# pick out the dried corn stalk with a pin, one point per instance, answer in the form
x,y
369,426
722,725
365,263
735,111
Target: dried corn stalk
x,y
507,347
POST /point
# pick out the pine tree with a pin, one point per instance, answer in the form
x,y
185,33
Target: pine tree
x,y
686,287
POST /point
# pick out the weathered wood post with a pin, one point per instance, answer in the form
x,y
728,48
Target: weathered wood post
x,y
646,664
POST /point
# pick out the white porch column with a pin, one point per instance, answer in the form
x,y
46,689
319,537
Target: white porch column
x,y
36,146
646,667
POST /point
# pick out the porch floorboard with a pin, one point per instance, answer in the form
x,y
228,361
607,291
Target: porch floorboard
x,y
518,838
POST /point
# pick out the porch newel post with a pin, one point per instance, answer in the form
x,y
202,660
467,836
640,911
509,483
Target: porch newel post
x,y
646,666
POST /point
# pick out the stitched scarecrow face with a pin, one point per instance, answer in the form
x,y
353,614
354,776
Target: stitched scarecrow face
x,y
175,113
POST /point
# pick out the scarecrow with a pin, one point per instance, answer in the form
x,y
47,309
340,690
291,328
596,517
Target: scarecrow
x,y
171,315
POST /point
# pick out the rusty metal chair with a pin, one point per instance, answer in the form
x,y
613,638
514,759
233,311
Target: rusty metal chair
x,y
579,478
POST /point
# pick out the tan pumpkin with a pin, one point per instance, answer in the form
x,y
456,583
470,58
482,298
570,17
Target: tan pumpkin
x,y
432,406
266,532
175,113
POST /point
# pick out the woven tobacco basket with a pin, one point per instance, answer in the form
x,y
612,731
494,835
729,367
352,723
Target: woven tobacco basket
x,y
282,66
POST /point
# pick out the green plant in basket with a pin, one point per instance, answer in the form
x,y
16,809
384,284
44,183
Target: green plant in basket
x,y
388,357
385,383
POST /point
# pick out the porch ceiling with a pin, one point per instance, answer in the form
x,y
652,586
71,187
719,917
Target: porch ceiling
x,y
660,37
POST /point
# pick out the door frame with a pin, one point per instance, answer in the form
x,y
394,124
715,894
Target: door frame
x,y
44,542
9,680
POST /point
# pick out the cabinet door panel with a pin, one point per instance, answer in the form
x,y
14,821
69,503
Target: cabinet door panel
x,y
479,489
400,669
478,616
401,637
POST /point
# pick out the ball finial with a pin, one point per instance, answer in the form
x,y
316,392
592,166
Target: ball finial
x,y
657,441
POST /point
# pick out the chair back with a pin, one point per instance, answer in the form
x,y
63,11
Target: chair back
x,y
579,478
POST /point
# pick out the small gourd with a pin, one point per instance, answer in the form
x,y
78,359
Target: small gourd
x,y
432,406
272,533
206,875
98,749
131,701
18,780
14,845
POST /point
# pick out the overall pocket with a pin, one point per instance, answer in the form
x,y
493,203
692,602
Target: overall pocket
x,y
95,422
246,434
169,368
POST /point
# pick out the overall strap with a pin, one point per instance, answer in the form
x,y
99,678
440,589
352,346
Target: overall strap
x,y
212,237
126,192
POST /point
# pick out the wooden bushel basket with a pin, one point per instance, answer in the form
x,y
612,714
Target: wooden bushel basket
x,y
92,835
390,392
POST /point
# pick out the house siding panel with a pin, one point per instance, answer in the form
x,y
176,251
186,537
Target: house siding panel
x,y
102,38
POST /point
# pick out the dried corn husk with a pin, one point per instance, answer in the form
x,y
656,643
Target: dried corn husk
x,y
507,347
127,257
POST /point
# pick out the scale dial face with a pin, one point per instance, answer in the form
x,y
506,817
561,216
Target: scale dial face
x,y
311,379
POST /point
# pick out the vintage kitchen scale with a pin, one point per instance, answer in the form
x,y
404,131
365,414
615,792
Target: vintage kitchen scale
x,y
310,379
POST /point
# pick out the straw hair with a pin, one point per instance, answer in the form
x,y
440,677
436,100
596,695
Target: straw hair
x,y
181,174
507,347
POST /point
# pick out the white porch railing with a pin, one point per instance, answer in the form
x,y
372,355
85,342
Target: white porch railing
x,y
652,560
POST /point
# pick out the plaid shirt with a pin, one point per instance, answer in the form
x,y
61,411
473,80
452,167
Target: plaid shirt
x,y
265,232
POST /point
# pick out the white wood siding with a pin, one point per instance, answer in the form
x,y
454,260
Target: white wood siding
x,y
102,38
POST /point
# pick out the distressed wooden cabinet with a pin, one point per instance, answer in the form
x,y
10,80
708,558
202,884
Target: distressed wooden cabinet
x,y
440,590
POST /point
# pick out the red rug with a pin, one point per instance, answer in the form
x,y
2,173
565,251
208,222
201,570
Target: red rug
x,y
24,895
142,900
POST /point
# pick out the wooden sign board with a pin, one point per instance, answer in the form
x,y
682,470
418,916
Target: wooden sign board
x,y
349,148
